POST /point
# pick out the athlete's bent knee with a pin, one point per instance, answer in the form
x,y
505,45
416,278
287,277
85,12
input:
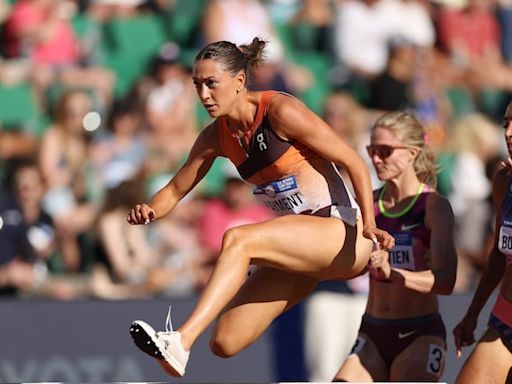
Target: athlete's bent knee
x,y
224,345
236,239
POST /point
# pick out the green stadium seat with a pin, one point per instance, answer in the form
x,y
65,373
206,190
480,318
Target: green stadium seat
x,y
183,22
130,44
317,62
19,109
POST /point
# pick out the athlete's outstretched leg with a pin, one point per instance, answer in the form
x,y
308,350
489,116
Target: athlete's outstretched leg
x,y
308,245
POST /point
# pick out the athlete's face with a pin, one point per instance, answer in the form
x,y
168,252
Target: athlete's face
x,y
389,156
217,88
507,125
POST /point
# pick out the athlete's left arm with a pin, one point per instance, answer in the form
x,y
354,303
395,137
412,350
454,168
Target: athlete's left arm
x,y
291,119
440,279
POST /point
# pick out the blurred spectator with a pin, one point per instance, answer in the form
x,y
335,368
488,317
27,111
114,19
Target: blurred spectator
x,y
306,38
30,189
311,26
348,118
26,236
469,32
176,239
352,122
170,112
475,143
282,11
413,22
132,35
124,249
252,20
63,161
431,86
133,262
470,35
182,20
504,14
118,154
5,8
120,8
17,256
41,31
362,31
16,143
269,75
392,89
88,24
27,239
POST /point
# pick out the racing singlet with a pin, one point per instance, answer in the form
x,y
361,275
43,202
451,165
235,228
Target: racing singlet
x,y
412,238
505,238
290,178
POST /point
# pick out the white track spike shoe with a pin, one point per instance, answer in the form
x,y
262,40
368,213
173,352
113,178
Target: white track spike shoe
x,y
165,346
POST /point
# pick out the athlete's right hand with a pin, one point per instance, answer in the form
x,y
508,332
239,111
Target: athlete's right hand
x,y
141,214
383,238
463,333
379,266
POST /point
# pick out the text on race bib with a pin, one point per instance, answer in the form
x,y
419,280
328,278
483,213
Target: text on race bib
x,y
402,254
505,242
282,196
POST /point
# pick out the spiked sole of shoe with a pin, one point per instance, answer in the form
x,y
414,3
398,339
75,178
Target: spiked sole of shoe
x,y
145,339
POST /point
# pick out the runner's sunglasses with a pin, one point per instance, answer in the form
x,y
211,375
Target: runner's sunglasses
x,y
383,151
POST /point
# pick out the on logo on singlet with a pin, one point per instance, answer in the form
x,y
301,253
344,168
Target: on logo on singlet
x,y
261,143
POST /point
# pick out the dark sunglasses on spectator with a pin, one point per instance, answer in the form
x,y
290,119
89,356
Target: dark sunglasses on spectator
x,y
383,151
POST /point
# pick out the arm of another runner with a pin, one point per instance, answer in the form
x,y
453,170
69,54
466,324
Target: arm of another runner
x,y
199,162
293,120
491,276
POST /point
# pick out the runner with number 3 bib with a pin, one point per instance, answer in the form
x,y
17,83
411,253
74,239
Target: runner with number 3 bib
x,y
402,336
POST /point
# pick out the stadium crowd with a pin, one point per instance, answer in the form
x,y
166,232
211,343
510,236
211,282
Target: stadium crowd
x,y
98,109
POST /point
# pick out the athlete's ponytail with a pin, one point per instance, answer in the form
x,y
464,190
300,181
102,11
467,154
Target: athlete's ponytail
x,y
253,52
408,129
234,58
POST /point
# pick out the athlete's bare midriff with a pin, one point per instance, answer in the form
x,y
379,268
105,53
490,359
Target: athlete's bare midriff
x,y
390,301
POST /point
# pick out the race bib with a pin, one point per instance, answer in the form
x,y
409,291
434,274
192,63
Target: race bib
x,y
282,196
505,242
402,255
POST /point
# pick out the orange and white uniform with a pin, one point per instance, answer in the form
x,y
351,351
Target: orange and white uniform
x,y
290,177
